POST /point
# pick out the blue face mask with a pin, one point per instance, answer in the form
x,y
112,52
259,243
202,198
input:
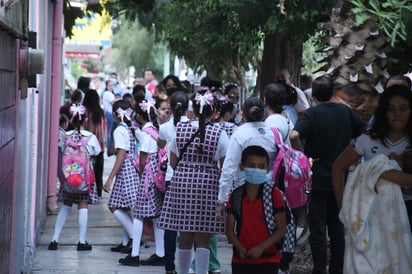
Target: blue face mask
x,y
255,176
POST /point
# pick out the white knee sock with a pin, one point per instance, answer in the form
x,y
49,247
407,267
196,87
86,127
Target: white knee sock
x,y
137,236
83,217
125,220
184,257
202,259
159,238
60,221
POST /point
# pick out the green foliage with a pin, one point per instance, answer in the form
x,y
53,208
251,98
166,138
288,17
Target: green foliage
x,y
311,54
394,16
72,13
77,70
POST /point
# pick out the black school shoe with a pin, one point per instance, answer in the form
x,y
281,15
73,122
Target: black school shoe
x,y
53,245
130,260
84,247
154,260
123,248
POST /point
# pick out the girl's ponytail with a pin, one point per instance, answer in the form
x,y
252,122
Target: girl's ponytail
x,y
179,103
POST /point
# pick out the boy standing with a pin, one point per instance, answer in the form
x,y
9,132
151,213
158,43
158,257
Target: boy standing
x,y
255,231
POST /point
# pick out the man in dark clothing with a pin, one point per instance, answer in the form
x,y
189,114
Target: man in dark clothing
x,y
326,129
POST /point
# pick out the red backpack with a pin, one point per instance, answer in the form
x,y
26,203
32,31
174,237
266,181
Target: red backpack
x,y
295,168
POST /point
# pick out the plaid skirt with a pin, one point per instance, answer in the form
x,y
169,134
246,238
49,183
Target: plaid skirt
x,y
124,191
149,199
91,197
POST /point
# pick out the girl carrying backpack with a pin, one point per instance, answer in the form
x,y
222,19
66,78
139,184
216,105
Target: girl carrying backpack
x,y
78,184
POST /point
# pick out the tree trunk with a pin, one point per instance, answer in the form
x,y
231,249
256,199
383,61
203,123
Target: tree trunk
x,y
279,52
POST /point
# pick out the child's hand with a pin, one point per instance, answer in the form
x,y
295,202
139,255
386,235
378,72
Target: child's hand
x,y
107,185
255,252
242,252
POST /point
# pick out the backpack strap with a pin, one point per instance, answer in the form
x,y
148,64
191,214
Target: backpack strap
x,y
237,199
152,132
268,211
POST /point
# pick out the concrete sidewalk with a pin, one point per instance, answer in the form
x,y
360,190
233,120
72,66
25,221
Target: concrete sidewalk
x,y
103,232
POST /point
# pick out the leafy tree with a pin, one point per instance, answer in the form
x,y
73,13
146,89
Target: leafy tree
x,y
72,13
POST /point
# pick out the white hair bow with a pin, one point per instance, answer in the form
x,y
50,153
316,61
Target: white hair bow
x,y
202,100
77,110
124,113
146,105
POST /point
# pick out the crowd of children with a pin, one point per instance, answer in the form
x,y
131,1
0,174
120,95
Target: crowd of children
x,y
218,178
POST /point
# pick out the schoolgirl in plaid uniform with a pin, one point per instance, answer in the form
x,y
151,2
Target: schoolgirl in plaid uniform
x,y
124,192
78,115
149,199
189,205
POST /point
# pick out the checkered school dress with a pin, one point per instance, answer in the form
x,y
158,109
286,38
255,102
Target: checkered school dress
x,y
228,127
149,199
62,196
124,190
190,201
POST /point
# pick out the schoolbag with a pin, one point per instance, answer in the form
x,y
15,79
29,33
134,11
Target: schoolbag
x,y
289,240
159,177
292,173
78,175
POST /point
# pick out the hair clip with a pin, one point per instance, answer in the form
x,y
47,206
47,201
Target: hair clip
x,y
202,100
124,113
77,110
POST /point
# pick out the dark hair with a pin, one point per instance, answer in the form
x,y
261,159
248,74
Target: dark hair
x,y
322,88
225,107
175,80
275,97
380,125
187,85
139,93
151,70
254,151
158,102
83,83
179,102
228,87
92,103
63,119
203,117
253,109
148,116
76,96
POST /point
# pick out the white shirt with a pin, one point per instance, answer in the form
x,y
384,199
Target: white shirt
x,y
283,124
167,132
108,98
221,146
147,143
248,134
93,146
121,138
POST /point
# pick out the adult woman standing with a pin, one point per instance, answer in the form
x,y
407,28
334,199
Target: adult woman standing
x,y
96,123
187,207
108,99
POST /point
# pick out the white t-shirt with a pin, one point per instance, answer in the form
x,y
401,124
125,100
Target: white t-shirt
x,y
221,146
283,124
93,146
248,134
167,133
147,143
302,104
121,137
108,98
368,148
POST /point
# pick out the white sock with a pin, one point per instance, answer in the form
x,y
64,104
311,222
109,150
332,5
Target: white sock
x,y
125,220
137,236
60,221
202,259
83,224
125,237
184,258
159,238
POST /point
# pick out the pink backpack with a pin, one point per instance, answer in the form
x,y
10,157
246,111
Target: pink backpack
x,y
297,175
162,160
76,165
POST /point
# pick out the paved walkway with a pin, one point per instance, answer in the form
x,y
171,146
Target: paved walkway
x,y
103,232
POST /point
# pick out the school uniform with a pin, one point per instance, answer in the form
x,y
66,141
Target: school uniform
x,y
149,199
124,190
190,201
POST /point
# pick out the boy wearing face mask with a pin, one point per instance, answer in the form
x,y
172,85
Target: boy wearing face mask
x,y
255,249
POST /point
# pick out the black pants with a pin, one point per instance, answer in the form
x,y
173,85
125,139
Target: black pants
x,y
408,205
267,268
98,172
323,218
